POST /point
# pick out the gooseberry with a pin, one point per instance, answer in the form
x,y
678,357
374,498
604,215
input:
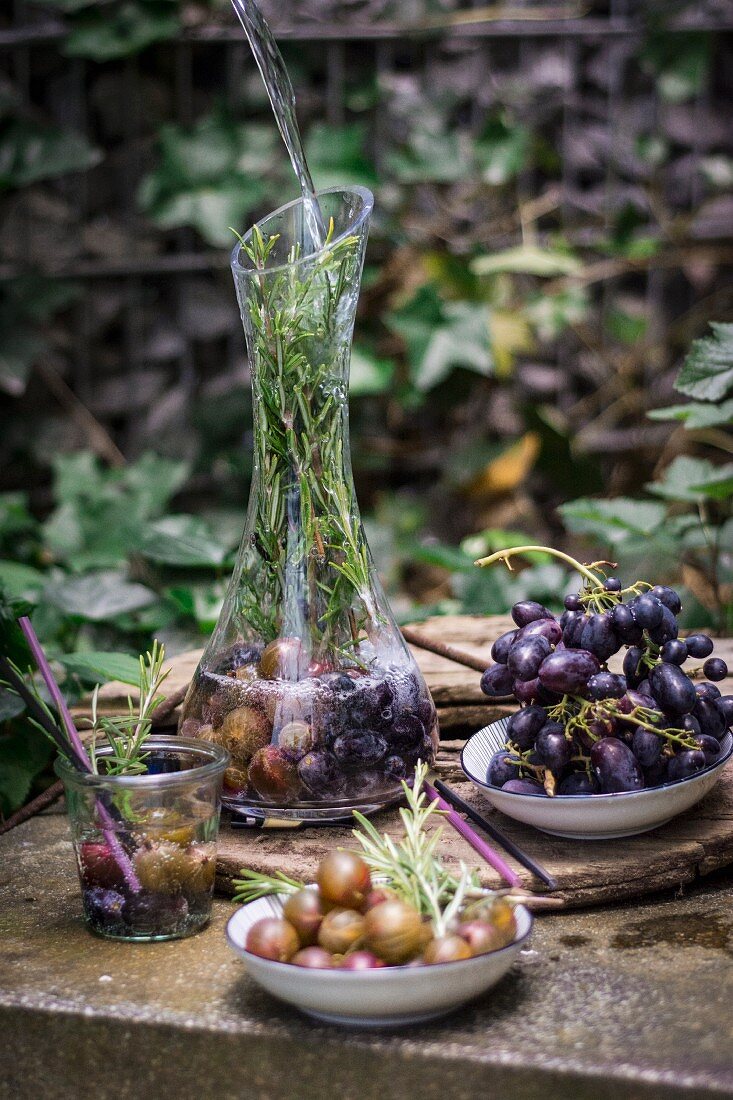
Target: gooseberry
x,y
305,912
445,949
394,931
361,960
340,930
344,879
274,939
314,958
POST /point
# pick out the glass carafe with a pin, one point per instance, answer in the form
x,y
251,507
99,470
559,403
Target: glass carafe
x,y
307,681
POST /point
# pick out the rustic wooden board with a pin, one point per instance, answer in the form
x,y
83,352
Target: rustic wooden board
x,y
588,872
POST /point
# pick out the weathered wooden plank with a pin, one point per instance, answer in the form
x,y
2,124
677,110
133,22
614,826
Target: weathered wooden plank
x,y
588,872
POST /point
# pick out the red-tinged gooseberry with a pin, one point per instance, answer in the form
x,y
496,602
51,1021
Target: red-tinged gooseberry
x,y
361,960
480,936
274,939
446,949
304,910
394,931
340,930
283,659
344,879
377,895
273,774
314,958
99,866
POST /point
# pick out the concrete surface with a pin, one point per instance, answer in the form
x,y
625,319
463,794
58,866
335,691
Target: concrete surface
x,y
632,1001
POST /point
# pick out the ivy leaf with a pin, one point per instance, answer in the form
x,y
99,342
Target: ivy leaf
x,y
182,541
613,521
99,596
30,152
369,374
696,414
11,705
707,373
20,581
502,151
23,755
20,347
99,668
441,336
528,259
210,176
336,155
432,156
691,479
103,32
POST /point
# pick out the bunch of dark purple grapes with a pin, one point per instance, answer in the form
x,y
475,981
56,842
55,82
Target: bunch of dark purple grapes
x,y
583,729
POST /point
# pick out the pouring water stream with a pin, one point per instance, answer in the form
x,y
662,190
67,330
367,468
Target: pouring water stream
x,y
282,98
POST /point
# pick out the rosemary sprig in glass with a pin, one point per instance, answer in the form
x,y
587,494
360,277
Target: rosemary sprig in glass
x,y
126,734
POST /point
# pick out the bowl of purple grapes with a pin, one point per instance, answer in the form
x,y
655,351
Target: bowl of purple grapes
x,y
621,724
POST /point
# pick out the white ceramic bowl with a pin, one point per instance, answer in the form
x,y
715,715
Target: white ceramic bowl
x,y
589,817
385,997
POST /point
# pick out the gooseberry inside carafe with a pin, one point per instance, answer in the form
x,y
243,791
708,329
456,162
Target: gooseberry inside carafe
x,y
307,680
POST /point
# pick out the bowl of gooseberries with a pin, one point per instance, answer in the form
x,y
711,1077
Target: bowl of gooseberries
x,y
348,949
621,725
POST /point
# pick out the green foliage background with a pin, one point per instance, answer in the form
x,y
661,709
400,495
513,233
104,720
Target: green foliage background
x,y
551,237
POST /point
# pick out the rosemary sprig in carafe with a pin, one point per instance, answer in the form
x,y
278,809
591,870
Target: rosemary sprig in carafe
x,y
313,577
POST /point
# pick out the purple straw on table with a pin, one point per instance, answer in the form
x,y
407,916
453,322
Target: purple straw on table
x,y
485,850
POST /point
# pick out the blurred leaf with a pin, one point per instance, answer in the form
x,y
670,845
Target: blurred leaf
x,y
369,374
696,414
447,557
681,62
210,176
508,470
100,512
20,347
684,478
528,259
613,521
718,171
18,580
99,668
719,486
11,705
24,754
551,314
502,150
64,5
510,335
627,328
98,596
30,152
430,156
707,373
335,155
200,602
104,32
181,541
441,336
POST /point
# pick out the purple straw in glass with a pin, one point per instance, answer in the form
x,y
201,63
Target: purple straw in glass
x,y
485,850
79,753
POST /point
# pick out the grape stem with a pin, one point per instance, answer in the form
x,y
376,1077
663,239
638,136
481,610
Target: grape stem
x,y
514,551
